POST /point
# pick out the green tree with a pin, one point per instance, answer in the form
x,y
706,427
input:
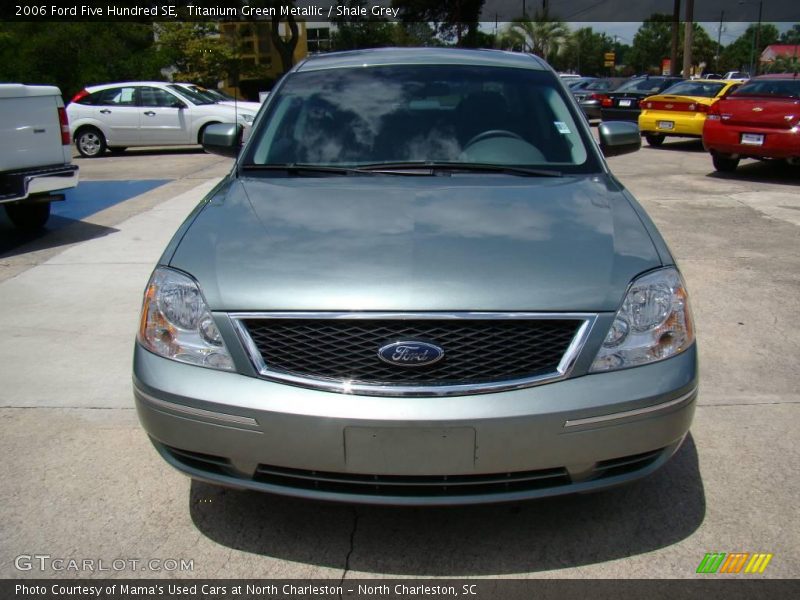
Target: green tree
x,y
791,36
737,55
583,52
72,55
454,20
196,51
415,34
357,32
541,35
651,44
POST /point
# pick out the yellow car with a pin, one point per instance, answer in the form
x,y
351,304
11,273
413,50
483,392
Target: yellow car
x,y
681,110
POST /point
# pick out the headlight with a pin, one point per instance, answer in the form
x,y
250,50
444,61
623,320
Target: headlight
x,y
176,322
247,118
653,323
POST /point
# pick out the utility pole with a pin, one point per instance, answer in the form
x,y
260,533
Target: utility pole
x,y
719,40
676,21
687,39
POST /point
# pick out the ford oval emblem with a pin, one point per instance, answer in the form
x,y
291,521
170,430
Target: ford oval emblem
x,y
411,354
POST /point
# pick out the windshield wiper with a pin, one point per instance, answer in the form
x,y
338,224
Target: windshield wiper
x,y
434,166
300,169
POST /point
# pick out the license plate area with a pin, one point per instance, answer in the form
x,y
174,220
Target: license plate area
x,y
624,102
410,450
752,139
666,125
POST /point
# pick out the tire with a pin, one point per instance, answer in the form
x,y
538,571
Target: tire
x,y
654,139
28,216
90,142
117,149
724,164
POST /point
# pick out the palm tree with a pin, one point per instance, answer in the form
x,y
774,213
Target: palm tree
x,y
541,35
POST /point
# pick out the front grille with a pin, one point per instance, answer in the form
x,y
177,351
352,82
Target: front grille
x,y
626,464
475,351
412,485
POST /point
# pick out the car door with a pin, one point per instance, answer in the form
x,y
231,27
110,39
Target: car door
x,y
116,109
163,117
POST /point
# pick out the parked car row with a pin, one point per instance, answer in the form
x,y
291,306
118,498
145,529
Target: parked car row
x,y
736,117
148,113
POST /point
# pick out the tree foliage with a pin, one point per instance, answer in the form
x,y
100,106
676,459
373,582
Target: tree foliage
x,y
354,33
737,55
583,52
454,20
791,36
541,35
196,52
653,41
72,55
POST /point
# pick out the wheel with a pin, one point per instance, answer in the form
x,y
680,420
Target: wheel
x,y
90,142
117,149
655,139
491,133
725,164
28,216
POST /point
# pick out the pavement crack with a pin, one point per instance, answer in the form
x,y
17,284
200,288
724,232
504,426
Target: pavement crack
x,y
350,550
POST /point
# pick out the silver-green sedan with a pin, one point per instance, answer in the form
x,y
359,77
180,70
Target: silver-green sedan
x,y
419,284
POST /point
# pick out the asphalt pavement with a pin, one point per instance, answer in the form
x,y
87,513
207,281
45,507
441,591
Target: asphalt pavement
x,y
80,479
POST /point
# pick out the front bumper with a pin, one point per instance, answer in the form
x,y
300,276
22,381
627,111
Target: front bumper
x,y
684,124
575,435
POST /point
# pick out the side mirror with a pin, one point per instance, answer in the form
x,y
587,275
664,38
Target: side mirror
x,y
224,139
619,137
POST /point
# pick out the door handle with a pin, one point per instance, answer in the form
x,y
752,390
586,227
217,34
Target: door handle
x,y
105,111
150,113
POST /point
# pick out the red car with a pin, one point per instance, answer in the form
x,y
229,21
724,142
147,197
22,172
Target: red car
x,y
759,120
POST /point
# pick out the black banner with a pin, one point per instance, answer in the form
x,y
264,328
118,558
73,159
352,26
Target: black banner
x,y
589,11
712,588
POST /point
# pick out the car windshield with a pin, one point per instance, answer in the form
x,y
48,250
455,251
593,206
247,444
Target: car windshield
x,y
646,84
703,89
783,88
214,95
413,114
194,97
603,85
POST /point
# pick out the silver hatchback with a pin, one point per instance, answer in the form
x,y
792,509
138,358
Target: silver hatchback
x,y
419,284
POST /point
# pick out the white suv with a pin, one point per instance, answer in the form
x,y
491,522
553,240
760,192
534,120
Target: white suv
x,y
144,113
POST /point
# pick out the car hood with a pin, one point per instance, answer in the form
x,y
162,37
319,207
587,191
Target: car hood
x,y
487,242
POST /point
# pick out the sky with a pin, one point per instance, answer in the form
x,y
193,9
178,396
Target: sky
x,y
626,31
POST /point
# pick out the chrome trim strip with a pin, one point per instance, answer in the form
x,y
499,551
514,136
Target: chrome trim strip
x,y
563,370
631,413
195,412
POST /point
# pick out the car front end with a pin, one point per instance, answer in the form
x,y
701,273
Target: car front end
x,y
390,329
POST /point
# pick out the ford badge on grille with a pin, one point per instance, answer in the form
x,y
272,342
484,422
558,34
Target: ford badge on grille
x,y
410,354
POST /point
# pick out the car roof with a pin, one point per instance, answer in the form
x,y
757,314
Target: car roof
x,y
787,76
723,81
94,88
422,56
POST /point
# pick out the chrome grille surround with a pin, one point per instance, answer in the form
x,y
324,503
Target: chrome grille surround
x,y
562,370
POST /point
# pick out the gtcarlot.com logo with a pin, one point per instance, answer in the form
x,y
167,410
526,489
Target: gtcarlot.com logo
x,y
734,562
45,562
